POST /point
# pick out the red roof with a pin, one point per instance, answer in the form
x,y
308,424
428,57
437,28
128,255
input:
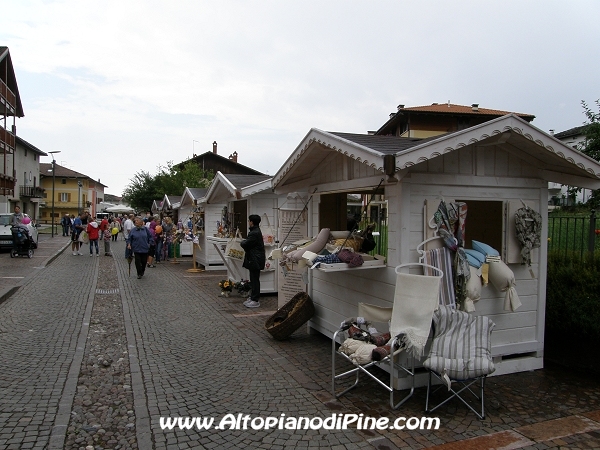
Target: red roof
x,y
462,109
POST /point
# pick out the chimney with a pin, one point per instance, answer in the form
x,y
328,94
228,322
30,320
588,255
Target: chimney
x,y
551,132
400,107
215,147
392,115
448,103
233,157
475,107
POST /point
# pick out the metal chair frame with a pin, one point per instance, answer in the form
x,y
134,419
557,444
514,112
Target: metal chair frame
x,y
389,361
358,369
465,387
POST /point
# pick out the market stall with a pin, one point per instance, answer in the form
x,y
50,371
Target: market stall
x,y
189,215
244,195
211,237
490,170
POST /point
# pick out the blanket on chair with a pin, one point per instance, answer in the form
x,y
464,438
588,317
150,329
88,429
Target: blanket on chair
x,y
415,300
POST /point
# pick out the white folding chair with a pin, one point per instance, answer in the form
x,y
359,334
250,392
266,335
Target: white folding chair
x,y
415,299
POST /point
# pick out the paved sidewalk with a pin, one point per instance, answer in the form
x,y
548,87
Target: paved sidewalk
x,y
195,353
14,270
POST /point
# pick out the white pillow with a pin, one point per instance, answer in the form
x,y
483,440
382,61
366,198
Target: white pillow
x,y
363,354
473,290
503,279
349,346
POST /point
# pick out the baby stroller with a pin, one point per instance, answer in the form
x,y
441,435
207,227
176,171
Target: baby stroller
x,y
23,244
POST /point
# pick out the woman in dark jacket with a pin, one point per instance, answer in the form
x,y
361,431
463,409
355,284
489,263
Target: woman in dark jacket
x,y
254,259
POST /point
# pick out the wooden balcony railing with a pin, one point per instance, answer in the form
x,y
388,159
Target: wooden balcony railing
x,y
31,191
8,98
7,185
7,141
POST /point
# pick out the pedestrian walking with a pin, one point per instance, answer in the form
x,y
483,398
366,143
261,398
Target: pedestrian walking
x,y
158,232
127,227
167,231
76,230
85,218
139,242
106,237
66,225
93,231
115,227
254,259
152,249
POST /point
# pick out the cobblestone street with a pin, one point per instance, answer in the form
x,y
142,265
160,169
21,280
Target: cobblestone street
x,y
93,357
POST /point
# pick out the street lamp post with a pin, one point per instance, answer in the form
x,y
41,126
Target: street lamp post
x,y
79,184
53,183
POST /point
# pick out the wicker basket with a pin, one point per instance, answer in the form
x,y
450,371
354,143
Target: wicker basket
x,y
290,316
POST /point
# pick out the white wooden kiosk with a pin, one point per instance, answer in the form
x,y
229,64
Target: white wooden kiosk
x,y
188,209
210,215
492,167
245,195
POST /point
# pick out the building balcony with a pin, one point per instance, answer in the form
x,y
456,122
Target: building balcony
x,y
7,185
7,141
8,100
31,191
47,203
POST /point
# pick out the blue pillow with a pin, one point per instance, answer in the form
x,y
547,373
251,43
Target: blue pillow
x,y
484,248
475,258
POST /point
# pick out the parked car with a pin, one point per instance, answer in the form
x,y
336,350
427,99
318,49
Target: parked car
x,y
6,238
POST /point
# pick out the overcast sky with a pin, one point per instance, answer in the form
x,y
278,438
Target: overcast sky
x,y
123,86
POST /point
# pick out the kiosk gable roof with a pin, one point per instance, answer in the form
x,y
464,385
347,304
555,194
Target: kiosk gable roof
x,y
191,194
511,133
225,186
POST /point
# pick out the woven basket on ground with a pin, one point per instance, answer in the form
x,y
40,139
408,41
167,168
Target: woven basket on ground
x,y
290,316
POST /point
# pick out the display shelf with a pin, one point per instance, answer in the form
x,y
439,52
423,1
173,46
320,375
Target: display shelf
x,y
377,262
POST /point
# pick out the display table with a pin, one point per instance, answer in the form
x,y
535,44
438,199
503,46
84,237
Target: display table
x,y
208,256
377,262
186,248
268,278
235,271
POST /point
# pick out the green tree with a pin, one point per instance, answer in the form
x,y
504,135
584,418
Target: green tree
x,y
591,145
142,191
171,179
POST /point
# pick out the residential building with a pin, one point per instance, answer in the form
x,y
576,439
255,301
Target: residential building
x,y
73,192
426,122
558,194
28,192
10,109
216,163
439,118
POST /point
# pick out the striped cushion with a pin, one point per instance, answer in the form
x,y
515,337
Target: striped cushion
x,y
461,344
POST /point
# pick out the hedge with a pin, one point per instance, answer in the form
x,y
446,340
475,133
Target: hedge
x,y
573,296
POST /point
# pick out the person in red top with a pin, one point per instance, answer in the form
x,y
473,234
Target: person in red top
x,y
103,225
93,234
